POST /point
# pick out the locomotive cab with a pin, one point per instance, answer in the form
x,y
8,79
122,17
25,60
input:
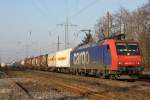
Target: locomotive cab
x,y
129,57
125,57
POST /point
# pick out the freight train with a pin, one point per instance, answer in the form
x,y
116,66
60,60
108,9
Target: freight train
x,y
111,58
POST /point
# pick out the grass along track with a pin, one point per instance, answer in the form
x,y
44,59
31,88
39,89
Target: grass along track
x,y
81,90
90,87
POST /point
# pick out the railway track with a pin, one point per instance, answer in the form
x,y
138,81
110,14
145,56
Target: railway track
x,y
97,81
140,87
22,90
93,87
82,91
11,87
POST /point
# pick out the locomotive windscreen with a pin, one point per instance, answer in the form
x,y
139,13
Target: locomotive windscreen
x,y
127,48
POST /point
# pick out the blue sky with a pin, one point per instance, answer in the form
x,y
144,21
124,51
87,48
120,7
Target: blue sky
x,y
40,17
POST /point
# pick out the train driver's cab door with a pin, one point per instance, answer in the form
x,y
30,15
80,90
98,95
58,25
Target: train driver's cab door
x,y
106,55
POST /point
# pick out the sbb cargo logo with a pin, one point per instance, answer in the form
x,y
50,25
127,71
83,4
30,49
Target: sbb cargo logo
x,y
81,58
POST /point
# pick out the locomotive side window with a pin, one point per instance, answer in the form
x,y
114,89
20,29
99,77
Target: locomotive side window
x,y
127,48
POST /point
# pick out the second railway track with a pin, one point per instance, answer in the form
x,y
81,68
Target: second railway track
x,y
94,87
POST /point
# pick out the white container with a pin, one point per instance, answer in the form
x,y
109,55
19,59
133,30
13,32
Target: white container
x,y
3,65
51,60
22,62
63,58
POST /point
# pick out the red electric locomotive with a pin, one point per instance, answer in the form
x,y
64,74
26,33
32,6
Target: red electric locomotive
x,y
125,57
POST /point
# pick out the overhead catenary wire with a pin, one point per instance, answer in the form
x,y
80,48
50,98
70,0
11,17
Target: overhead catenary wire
x,y
41,10
84,8
80,12
37,7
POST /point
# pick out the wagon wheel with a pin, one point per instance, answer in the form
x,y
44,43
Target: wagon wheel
x,y
105,75
113,77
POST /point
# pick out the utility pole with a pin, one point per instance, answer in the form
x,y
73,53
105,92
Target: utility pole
x,y
26,50
108,17
58,44
67,25
0,60
40,50
28,44
109,24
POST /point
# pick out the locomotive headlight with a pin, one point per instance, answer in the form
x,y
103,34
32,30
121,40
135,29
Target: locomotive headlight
x,y
120,63
138,63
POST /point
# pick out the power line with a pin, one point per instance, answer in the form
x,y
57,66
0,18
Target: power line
x,y
36,4
43,5
85,8
37,7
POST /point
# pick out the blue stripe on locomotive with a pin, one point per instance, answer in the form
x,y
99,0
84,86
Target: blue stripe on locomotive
x,y
91,55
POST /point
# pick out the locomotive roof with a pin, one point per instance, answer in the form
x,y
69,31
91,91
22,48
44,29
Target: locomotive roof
x,y
126,41
113,40
102,42
87,45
